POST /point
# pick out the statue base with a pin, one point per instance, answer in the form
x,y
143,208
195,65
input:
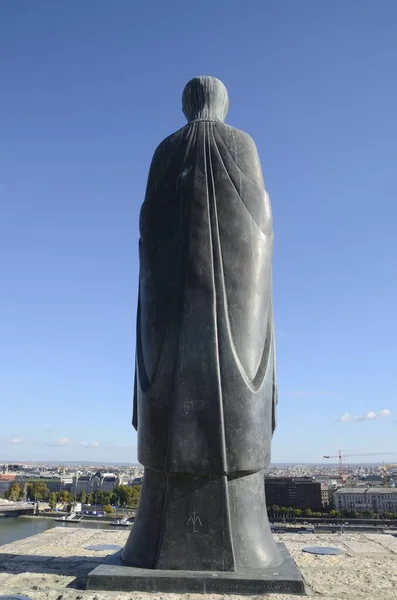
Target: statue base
x,y
201,523
113,576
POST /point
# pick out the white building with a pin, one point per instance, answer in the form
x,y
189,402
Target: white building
x,y
379,500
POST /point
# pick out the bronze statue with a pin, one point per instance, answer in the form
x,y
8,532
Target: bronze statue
x,y
205,386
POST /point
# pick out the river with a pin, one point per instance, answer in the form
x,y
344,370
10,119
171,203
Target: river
x,y
17,528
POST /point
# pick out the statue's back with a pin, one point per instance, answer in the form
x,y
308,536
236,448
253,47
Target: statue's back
x,y
205,390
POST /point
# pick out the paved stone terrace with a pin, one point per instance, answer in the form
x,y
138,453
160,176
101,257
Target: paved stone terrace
x,y
53,566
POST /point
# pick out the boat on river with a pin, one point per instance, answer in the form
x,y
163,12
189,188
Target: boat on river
x,y
72,518
124,522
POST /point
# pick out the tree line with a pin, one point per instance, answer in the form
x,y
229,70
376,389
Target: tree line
x,y
276,512
121,495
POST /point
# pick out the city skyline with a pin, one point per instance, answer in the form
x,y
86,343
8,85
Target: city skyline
x,y
91,89
328,464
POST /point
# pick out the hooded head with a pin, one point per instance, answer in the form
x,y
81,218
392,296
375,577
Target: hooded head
x,y
205,98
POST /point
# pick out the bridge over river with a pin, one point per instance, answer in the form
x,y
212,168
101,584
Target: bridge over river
x,y
14,509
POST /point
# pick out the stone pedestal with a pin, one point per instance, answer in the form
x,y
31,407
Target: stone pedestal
x,y
113,576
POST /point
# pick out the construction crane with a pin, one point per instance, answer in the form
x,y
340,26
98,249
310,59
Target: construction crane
x,y
341,456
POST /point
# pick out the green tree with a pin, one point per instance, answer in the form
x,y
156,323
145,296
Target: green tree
x,y
108,508
89,499
15,492
135,494
126,495
119,495
349,514
52,500
83,497
38,491
64,496
367,514
308,512
101,497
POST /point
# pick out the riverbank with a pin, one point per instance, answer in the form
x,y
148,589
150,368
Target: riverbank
x,y
85,518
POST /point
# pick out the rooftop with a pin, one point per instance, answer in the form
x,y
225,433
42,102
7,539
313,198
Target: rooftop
x,y
364,490
54,565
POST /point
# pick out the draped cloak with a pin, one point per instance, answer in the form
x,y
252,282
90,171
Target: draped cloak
x,y
205,385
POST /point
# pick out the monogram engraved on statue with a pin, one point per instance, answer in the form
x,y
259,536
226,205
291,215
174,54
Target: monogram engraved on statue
x,y
194,518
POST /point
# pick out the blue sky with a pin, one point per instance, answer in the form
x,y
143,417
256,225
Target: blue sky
x,y
88,91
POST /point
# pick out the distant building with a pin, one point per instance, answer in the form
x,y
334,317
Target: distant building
x,y
379,500
136,481
86,483
109,482
332,487
324,495
372,478
6,482
90,483
54,484
14,467
294,492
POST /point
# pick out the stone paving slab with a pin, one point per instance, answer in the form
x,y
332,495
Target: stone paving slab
x,y
386,541
366,547
53,566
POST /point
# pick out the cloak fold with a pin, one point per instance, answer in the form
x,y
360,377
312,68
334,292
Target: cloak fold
x,y
205,393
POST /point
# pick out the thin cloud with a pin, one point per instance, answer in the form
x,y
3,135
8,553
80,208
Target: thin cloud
x,y
368,416
16,440
65,441
71,443
385,412
90,444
